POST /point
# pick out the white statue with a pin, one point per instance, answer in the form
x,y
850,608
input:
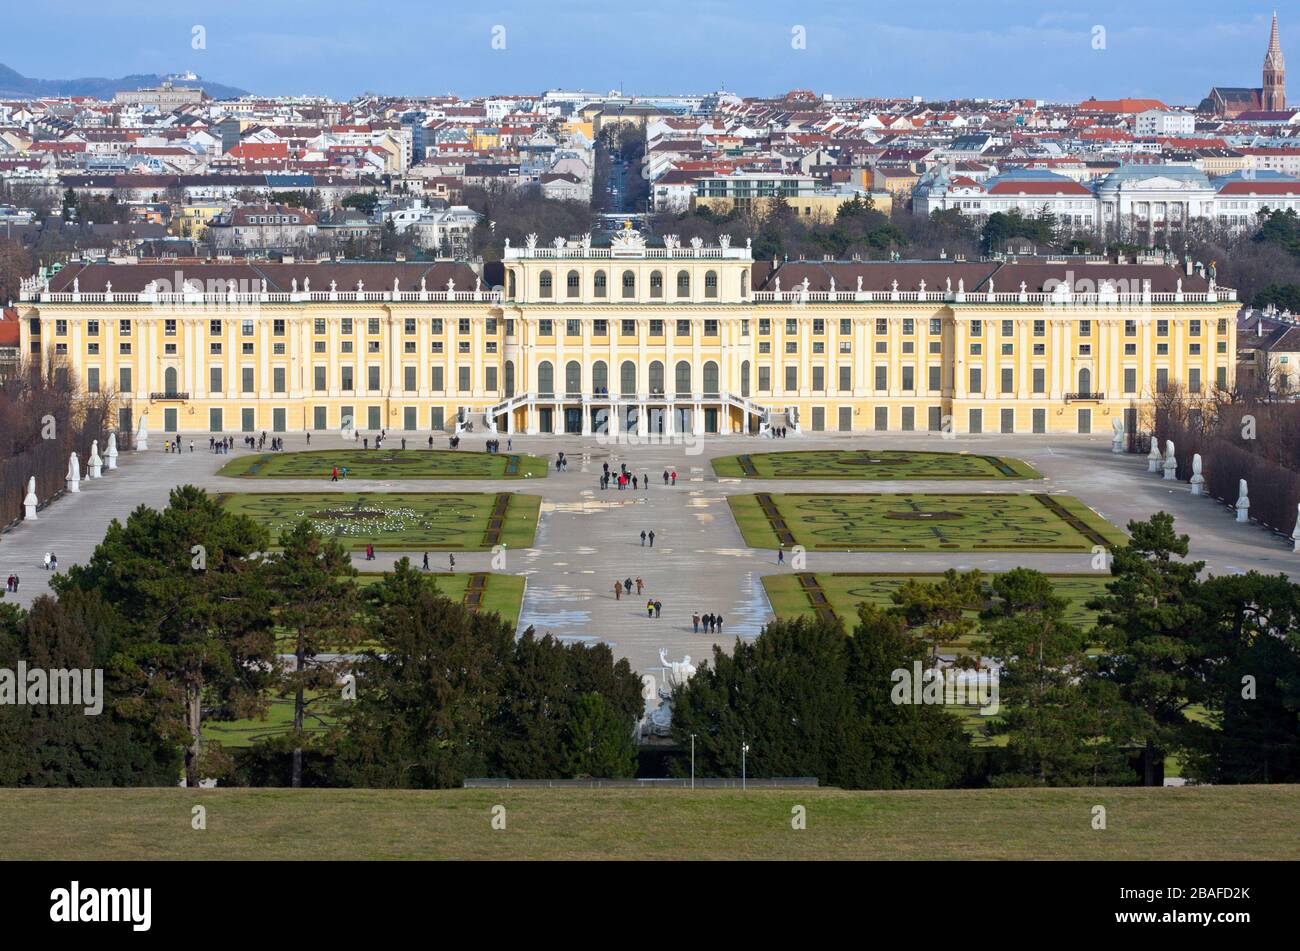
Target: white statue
x,y
1117,435
1293,533
1198,480
724,241
30,501
110,454
1153,457
1243,502
531,240
947,285
142,436
74,473
859,283
1171,461
777,283
94,464
676,674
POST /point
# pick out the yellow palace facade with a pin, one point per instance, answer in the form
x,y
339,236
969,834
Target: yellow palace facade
x,y
632,339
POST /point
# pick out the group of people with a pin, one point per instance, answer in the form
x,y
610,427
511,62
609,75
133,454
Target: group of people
x,y
11,583
625,586
222,446
51,561
494,445
451,561
776,432
650,535
174,445
562,462
712,623
370,552
338,473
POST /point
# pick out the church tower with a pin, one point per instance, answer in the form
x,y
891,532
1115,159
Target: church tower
x,y
1273,95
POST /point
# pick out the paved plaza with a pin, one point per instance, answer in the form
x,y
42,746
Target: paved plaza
x,y
586,538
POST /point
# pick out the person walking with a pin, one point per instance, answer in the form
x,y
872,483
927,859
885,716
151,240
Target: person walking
x,y
674,477
659,606
643,538
618,591
627,586
426,561
639,585
695,621
334,474
665,477
652,538
780,556
650,609
451,560
717,623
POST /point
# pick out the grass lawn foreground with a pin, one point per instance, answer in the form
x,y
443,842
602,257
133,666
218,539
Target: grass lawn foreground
x,y
399,521
390,464
871,464
976,522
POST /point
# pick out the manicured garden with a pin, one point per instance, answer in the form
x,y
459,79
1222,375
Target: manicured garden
x,y
978,522
391,464
871,464
399,521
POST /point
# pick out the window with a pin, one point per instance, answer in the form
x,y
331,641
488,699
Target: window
x,y
792,378
490,379
1040,328
601,285
819,379
544,288
462,379
1162,328
882,326
1194,379
683,328
846,327
600,328
846,379
318,326
1130,379
1008,380
710,328
656,328
372,325
1162,380
573,328
169,327
627,378
545,378
435,326
124,379
545,328
683,377
124,328
656,284
246,377
882,378
408,379
1040,380
629,285
92,380
1085,328
1008,328
372,378
936,326
909,378
711,284
318,378
977,328
437,383
572,284
214,379
791,327
683,284
934,378
976,380
627,328
765,379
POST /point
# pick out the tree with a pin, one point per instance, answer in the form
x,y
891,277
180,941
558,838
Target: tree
x,y
196,614
938,612
1148,623
315,596
427,693
598,740
1061,723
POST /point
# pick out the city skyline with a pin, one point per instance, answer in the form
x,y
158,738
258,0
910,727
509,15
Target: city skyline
x,y
1173,52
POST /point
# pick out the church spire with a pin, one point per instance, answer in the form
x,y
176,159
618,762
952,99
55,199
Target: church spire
x,y
1273,58
1273,95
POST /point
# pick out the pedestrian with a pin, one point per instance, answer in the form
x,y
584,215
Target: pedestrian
x,y
365,442
309,439
659,606
780,556
334,474
717,623
46,562
643,538
403,442
650,609
674,477
695,621
618,591
627,586
633,483
638,585
426,561
452,560
510,443
652,538
665,477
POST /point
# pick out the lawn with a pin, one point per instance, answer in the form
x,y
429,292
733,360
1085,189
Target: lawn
x,y
871,464
1193,823
499,593
792,596
399,521
387,464
921,522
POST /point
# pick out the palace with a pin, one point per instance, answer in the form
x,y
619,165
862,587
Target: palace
x,y
633,338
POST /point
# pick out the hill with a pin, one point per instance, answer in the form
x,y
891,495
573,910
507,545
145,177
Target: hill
x,y
14,85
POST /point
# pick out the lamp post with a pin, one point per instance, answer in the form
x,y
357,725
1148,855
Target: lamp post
x,y
744,748
692,760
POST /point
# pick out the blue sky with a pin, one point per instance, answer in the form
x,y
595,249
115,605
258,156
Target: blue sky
x,y
1161,48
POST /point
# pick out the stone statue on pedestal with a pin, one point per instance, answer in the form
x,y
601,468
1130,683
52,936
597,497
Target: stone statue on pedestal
x,y
1243,502
30,501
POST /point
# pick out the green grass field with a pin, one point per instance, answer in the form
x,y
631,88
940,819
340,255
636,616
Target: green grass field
x,y
845,591
503,594
1209,822
871,464
387,464
921,522
398,521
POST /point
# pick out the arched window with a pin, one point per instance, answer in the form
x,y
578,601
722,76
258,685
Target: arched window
x,y
629,285
510,378
573,285
1085,381
572,378
600,378
683,284
544,285
744,379
711,284
169,380
627,378
510,285
545,378
657,284
744,283
683,378
601,288
710,379
656,378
